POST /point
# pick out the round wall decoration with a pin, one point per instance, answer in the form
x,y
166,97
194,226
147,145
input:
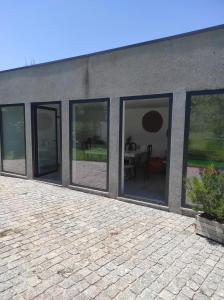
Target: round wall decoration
x,y
152,121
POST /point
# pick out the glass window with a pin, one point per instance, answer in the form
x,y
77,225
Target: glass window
x,y
13,139
206,134
90,144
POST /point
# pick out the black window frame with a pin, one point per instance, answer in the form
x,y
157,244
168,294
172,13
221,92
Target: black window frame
x,y
97,100
186,136
1,138
34,105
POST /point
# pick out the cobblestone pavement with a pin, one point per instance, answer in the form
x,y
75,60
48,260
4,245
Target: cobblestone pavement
x,y
57,243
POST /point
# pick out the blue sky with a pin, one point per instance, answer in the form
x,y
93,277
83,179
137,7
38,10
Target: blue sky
x,y
43,30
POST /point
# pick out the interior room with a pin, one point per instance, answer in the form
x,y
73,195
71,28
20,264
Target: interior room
x,y
145,149
47,144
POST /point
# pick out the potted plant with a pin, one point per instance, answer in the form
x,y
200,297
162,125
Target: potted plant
x,y
207,196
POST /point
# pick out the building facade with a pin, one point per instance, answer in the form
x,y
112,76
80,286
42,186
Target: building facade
x,y
130,123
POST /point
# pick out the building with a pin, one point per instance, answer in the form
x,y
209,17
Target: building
x,y
130,123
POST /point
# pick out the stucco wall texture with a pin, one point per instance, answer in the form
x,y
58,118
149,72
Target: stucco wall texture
x,y
190,62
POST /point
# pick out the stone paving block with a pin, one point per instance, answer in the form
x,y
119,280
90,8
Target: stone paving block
x,y
70,293
187,291
92,278
147,294
166,295
199,296
91,292
126,295
182,296
82,285
102,271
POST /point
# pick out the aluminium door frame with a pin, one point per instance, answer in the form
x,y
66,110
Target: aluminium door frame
x,y
34,107
1,138
121,128
97,100
189,94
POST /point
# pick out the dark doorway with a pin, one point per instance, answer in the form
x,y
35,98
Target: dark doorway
x,y
47,141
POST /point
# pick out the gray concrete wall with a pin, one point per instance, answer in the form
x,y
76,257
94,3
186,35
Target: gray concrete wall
x,y
176,150
65,141
28,129
114,147
193,62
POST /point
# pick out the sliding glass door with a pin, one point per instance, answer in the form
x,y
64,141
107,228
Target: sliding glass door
x,y
204,143
46,140
13,147
145,147
89,143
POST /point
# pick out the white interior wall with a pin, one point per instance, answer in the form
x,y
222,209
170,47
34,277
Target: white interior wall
x,y
133,128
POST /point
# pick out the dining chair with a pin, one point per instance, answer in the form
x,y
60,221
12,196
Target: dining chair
x,y
147,157
130,146
149,149
129,168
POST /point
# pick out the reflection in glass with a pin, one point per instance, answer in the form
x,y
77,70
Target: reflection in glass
x,y
206,134
13,139
89,144
47,140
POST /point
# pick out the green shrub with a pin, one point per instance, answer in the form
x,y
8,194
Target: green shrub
x,y
207,193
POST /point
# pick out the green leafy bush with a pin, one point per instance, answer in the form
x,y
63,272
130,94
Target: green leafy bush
x,y
207,193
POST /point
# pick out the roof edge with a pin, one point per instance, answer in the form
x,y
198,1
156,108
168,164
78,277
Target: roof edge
x,y
185,34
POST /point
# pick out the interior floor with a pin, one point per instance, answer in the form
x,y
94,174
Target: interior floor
x,y
151,189
54,177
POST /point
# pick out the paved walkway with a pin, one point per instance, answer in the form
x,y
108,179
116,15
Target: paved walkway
x,y
57,243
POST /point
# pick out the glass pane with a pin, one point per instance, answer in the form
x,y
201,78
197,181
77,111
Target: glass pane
x,y
47,140
89,144
13,139
206,134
